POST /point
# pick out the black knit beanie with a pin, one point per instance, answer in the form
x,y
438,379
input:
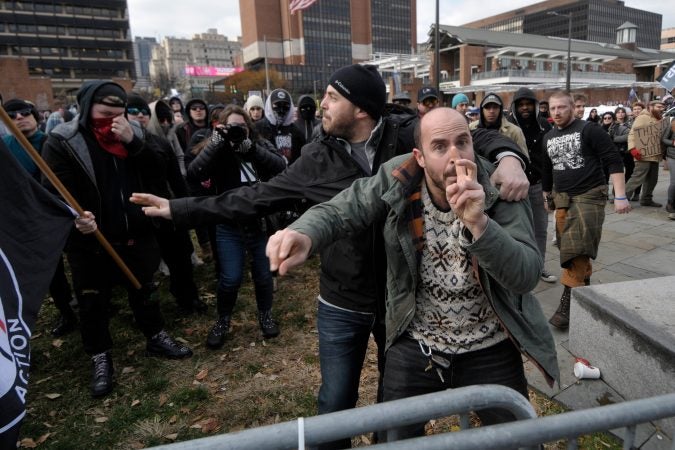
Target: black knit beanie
x,y
110,94
136,101
363,86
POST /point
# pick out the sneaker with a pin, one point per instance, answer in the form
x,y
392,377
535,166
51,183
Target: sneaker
x,y
671,216
162,344
269,328
547,277
216,337
102,377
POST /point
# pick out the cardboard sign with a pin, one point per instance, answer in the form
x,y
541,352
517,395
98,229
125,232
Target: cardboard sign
x,y
667,79
648,138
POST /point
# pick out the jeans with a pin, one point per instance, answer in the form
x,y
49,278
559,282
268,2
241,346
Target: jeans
x,y
539,217
232,242
405,376
343,341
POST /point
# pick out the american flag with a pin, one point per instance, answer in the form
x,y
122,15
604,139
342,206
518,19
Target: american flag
x,y
299,5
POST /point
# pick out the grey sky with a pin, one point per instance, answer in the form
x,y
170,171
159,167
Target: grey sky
x,y
182,18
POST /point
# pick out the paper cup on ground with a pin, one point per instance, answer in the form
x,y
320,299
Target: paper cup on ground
x,y
581,371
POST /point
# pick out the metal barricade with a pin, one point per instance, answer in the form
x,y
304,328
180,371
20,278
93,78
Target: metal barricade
x,y
527,431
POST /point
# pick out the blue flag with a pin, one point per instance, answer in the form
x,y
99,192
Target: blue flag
x,y
34,226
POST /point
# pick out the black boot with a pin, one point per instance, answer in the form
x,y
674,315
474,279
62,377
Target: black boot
x,y
162,344
216,337
561,318
269,328
102,378
67,323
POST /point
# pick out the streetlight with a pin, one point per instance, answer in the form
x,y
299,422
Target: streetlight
x,y
569,46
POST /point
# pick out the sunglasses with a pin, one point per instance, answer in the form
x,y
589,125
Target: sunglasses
x,y
430,102
24,113
137,111
197,108
607,118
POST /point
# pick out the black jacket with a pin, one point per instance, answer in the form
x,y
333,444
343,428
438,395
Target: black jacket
x,y
352,269
100,182
534,128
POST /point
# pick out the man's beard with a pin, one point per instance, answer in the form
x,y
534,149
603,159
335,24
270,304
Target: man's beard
x,y
658,115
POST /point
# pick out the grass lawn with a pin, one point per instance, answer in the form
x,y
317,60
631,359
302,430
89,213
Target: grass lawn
x,y
248,383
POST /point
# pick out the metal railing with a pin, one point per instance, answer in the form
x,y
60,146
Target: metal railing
x,y
527,431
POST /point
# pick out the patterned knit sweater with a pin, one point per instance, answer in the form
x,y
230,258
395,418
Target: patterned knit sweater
x,y
452,314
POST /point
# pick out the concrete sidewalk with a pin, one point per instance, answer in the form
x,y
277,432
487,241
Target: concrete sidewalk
x,y
639,245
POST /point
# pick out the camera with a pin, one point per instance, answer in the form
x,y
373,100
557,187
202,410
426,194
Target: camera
x,y
235,134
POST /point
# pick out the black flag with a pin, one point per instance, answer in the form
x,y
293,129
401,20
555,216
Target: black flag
x,y
34,226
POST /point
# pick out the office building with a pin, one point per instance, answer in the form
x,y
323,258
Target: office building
x,y
668,39
69,41
306,47
592,20
194,64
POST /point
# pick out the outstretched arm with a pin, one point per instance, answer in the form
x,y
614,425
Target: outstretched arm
x,y
153,206
287,249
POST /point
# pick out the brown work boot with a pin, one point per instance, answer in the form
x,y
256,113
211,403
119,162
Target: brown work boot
x,y
561,318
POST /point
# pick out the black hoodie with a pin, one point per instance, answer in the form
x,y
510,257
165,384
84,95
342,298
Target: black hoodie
x,y
185,130
307,125
534,128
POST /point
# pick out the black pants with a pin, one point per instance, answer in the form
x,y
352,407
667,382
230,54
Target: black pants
x,y
60,291
405,376
94,276
176,250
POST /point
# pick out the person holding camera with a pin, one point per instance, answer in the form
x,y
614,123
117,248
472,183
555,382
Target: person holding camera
x,y
233,156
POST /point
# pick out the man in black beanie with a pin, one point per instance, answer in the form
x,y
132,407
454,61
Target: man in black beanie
x,y
355,139
101,158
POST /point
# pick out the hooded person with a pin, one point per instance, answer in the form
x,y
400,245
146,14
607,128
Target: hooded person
x,y
175,244
196,111
307,120
277,125
162,124
254,107
491,117
101,159
525,114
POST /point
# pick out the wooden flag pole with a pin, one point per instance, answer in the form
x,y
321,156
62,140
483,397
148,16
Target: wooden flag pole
x,y
67,196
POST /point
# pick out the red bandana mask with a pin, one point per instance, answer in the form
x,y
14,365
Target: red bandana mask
x,y
108,140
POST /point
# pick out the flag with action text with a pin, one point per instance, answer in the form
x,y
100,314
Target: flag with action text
x,y
34,226
299,5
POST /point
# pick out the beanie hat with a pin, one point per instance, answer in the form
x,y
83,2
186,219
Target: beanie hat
x,y
459,98
136,101
110,94
362,85
254,100
16,104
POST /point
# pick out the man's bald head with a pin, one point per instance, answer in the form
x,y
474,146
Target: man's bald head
x,y
437,115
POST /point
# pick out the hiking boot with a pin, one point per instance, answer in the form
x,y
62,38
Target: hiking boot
x,y
561,318
547,277
67,323
216,337
162,344
269,328
102,377
651,203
